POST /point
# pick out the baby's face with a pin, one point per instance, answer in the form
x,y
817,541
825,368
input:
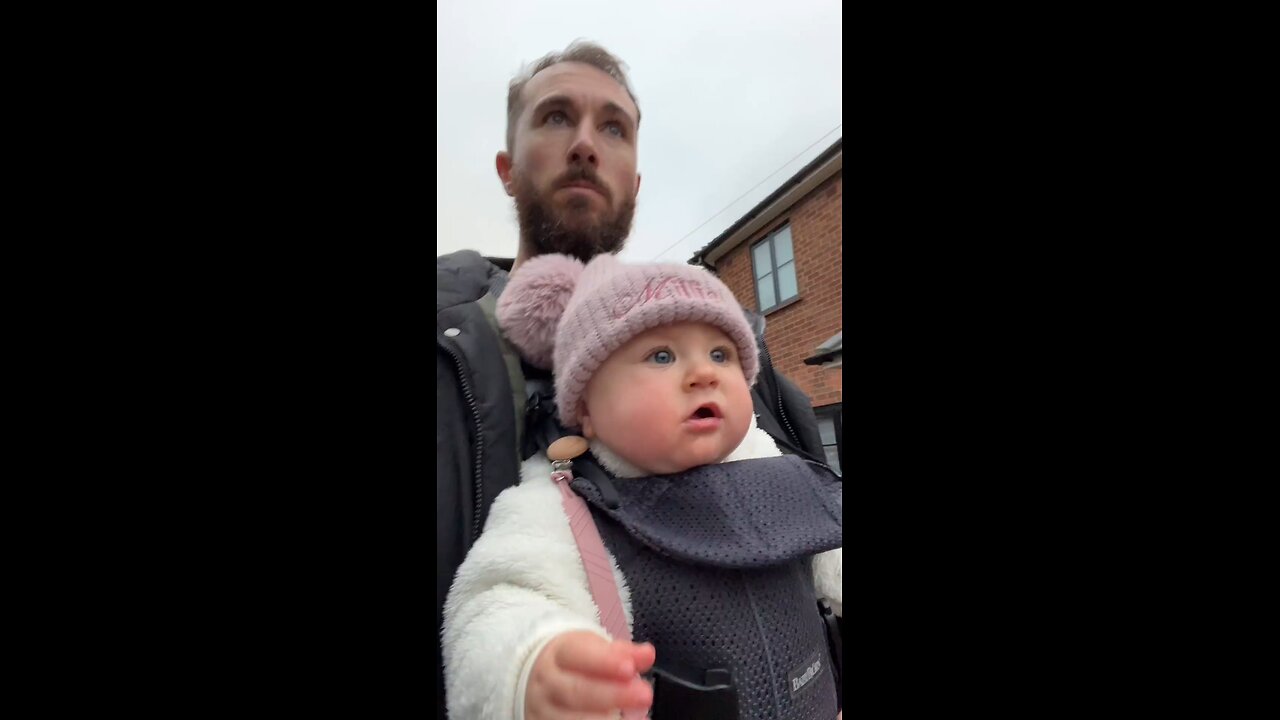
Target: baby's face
x,y
670,399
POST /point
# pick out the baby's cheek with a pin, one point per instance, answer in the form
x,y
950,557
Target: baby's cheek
x,y
648,410
646,434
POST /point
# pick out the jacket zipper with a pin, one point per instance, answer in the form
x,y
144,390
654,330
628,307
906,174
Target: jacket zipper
x,y
477,483
777,393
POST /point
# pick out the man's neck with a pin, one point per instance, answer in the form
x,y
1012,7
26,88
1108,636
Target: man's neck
x,y
524,253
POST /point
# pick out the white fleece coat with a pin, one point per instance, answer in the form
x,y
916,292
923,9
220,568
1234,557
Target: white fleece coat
x,y
523,583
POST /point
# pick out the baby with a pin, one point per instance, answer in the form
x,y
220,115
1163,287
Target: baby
x,y
719,546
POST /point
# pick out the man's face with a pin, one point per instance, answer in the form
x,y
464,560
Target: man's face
x,y
572,168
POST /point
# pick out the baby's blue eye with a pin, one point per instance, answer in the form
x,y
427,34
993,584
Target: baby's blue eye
x,y
719,355
663,357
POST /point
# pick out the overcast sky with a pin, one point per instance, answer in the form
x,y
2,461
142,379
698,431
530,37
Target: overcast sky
x,y
732,94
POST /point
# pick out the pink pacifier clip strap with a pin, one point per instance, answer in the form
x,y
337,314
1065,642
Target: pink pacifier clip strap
x,y
600,580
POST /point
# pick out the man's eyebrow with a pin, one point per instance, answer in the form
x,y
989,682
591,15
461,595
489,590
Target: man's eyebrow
x,y
564,101
616,109
553,101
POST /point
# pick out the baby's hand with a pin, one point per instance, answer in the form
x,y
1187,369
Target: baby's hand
x,y
581,672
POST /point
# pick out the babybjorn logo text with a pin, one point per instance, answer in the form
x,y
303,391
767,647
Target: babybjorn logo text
x,y
800,678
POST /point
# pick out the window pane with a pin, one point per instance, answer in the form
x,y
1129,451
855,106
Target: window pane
x,y
782,245
763,263
765,289
833,458
787,281
827,429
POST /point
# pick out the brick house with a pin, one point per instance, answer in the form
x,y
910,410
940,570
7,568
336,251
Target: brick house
x,y
783,258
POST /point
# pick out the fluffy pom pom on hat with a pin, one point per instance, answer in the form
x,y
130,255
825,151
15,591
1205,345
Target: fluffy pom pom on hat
x,y
569,318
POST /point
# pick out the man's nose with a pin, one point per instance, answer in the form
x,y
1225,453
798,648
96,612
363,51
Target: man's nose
x,y
583,150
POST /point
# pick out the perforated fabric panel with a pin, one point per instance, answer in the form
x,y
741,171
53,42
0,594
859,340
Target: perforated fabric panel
x,y
761,624
747,514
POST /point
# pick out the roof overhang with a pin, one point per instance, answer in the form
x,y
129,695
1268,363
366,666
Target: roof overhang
x,y
771,208
830,354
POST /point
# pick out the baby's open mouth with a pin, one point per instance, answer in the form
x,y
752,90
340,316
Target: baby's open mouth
x,y
706,411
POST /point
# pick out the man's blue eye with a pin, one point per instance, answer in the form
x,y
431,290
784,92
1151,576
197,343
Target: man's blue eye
x,y
663,357
557,114
719,355
615,129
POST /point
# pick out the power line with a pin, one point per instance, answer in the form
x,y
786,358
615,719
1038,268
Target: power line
x,y
726,207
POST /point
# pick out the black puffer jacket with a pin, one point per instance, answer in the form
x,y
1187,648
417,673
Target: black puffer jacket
x,y
479,414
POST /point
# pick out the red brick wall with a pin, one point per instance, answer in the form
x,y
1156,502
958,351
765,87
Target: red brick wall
x,y
794,332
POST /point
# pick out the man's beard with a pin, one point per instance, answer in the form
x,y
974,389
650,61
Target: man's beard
x,y
570,231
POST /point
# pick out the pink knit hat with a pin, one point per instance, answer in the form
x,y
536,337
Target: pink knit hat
x,y
568,318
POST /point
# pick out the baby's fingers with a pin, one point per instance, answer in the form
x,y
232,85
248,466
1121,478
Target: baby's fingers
x,y
643,655
583,693
588,654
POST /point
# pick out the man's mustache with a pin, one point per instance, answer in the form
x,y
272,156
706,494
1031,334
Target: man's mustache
x,y
583,173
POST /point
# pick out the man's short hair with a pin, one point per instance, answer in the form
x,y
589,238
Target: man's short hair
x,y
580,51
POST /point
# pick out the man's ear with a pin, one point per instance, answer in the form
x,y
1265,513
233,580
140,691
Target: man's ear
x,y
504,172
588,431
637,192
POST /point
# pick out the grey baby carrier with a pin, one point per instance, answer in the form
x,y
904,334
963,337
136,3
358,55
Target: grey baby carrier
x,y
717,561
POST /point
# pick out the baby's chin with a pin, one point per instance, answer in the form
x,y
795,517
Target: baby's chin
x,y
640,464
670,468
